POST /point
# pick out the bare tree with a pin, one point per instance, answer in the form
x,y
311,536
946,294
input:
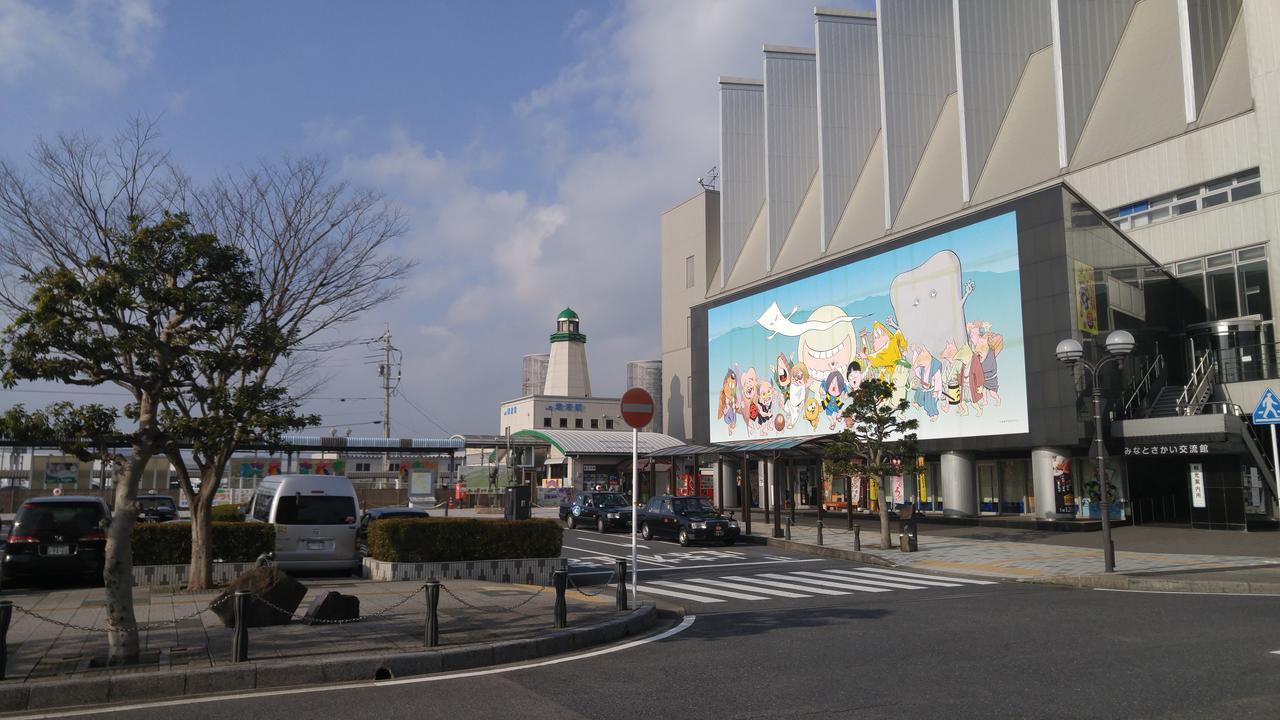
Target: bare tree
x,y
322,255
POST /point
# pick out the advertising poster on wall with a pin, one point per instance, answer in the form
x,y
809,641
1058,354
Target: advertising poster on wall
x,y
939,319
256,468
1086,297
61,473
322,467
1064,499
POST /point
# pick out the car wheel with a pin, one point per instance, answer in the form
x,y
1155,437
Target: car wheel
x,y
571,521
683,537
729,541
645,531
600,526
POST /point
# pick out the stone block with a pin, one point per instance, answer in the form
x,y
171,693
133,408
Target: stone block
x,y
272,585
585,637
466,657
332,606
283,674
13,697
509,651
555,643
147,686
220,679
415,663
67,693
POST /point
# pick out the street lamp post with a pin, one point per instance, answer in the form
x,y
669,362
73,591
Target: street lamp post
x,y
1119,344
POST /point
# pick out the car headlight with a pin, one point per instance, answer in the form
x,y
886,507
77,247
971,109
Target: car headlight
x,y
699,526
613,516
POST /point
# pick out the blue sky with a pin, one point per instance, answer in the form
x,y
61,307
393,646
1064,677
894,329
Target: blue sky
x,y
532,146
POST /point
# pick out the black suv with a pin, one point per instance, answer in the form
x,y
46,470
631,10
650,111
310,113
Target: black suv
x,y
57,537
605,510
156,508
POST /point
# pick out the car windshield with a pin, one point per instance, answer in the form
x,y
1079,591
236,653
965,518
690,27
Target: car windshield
x,y
315,510
155,503
71,518
693,506
609,499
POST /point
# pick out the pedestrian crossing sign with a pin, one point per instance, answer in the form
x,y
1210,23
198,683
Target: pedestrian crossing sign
x,y
1268,410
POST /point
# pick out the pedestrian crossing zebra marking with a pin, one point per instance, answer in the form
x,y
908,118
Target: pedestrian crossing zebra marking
x,y
799,584
836,582
745,587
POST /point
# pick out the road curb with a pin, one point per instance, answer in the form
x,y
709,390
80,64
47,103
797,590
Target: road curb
x,y
827,551
1157,584
364,667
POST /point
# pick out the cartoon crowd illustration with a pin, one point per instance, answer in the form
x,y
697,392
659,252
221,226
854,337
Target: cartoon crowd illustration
x,y
927,349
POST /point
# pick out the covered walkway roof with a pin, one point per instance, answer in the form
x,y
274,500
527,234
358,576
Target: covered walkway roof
x,y
600,442
809,446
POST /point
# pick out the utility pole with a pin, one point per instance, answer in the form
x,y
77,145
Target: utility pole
x,y
389,371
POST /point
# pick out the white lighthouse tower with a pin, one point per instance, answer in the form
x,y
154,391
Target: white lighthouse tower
x,y
567,374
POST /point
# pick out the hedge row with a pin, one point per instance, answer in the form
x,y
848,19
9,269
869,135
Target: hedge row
x,y
170,543
227,513
453,539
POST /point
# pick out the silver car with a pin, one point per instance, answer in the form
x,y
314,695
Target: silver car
x,y
315,518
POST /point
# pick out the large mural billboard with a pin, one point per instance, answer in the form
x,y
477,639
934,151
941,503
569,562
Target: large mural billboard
x,y
940,319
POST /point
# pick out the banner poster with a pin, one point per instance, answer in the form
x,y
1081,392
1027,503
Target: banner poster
x,y
61,473
940,320
899,490
856,491
322,467
256,468
1086,298
1064,498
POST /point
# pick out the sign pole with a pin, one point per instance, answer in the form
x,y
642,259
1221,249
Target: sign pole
x,y
635,497
1275,459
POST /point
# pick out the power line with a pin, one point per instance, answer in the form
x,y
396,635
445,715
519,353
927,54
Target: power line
x,y
420,412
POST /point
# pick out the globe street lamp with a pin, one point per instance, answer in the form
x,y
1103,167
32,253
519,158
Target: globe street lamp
x,y
1119,343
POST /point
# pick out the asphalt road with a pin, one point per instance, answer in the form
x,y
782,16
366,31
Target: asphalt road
x,y
955,650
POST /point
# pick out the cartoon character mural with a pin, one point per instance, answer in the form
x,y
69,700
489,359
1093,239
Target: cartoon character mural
x,y
939,319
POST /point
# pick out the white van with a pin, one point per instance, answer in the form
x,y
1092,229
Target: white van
x,y
315,518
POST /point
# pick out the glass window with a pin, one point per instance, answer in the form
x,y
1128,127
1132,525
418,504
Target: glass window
x,y
1183,208
1255,293
1219,184
261,510
68,518
1193,285
315,510
608,424
1190,266
577,423
1218,261
1252,253
546,422
1216,199
1222,290
595,424
1245,191
564,422
1158,214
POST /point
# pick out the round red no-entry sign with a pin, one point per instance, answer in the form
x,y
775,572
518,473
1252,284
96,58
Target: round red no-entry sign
x,y
637,407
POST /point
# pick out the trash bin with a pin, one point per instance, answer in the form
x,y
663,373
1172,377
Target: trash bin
x,y
517,503
907,529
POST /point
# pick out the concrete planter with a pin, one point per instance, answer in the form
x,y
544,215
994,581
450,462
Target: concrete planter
x,y
527,571
176,575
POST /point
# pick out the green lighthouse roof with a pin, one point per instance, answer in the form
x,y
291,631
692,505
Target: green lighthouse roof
x,y
567,314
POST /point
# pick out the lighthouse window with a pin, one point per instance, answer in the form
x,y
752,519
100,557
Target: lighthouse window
x,y
595,424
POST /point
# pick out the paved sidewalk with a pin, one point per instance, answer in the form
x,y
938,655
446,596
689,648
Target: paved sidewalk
x,y
470,611
1010,559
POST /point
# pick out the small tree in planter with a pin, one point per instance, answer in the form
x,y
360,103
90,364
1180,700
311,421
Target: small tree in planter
x,y
878,444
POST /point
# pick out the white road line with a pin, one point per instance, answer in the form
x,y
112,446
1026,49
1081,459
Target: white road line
x,y
748,588
1179,592
879,581
606,542
205,699
899,573
757,580
863,575
849,585
1275,652
648,588
617,557
668,568
712,591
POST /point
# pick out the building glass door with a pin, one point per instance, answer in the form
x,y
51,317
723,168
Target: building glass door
x,y
988,488
1016,496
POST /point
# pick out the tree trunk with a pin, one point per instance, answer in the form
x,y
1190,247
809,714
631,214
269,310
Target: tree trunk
x,y
885,542
201,575
123,647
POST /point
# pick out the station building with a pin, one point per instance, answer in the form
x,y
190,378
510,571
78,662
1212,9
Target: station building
x,y
939,192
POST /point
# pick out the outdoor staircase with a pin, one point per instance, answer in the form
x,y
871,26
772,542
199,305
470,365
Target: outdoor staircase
x,y
1165,403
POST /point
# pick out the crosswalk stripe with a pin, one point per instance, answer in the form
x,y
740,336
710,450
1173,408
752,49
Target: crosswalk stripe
x,y
844,585
869,577
755,580
875,583
899,573
747,588
713,591
647,588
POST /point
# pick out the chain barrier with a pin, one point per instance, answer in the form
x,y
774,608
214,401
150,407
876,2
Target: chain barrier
x,y
138,627
315,621
602,589
517,606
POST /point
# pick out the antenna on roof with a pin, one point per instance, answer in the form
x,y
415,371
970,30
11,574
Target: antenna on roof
x,y
712,177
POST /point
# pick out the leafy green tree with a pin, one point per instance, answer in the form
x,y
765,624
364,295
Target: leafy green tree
x,y
130,308
880,443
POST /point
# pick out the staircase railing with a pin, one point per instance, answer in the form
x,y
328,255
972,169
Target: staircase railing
x,y
1198,386
1144,387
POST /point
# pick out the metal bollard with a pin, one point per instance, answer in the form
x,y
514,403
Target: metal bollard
x,y
561,580
432,633
857,537
240,641
447,503
6,614
620,569
788,528
819,532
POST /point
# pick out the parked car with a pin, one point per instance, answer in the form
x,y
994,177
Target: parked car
x,y
604,510
382,513
53,538
157,508
315,519
686,519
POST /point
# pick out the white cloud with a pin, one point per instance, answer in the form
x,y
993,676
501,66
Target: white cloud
x,y
85,44
331,131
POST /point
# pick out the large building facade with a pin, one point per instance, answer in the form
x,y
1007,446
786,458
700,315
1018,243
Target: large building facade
x,y
939,191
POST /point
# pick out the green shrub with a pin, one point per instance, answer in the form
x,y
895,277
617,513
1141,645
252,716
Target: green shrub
x,y
170,543
227,513
453,539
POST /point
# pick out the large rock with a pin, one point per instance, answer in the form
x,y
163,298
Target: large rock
x,y
268,583
332,606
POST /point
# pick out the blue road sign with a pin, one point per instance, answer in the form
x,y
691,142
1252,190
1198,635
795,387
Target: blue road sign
x,y
1268,410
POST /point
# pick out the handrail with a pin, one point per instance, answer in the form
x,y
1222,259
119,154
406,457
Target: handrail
x,y
1194,393
1154,371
